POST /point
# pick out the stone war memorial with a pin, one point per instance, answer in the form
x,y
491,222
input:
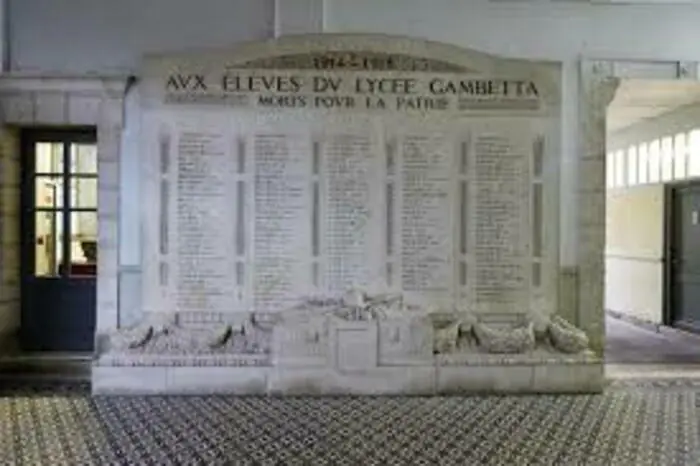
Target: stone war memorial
x,y
349,214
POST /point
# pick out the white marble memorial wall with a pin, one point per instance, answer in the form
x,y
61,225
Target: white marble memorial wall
x,y
283,175
256,210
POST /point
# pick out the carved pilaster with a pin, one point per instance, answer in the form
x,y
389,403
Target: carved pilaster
x,y
598,88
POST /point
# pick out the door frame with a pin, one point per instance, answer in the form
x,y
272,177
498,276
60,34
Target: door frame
x,y
669,308
28,137
49,101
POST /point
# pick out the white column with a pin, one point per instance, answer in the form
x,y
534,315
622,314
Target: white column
x,y
298,17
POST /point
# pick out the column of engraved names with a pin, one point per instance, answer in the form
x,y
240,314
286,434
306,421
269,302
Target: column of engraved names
x,y
204,236
347,173
281,227
426,243
500,175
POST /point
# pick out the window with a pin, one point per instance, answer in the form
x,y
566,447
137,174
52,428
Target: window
x,y
632,171
48,199
667,159
65,209
643,163
694,153
654,162
610,170
680,157
619,169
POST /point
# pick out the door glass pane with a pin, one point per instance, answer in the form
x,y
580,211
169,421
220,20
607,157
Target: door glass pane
x,y
83,243
49,157
47,243
83,159
49,192
83,193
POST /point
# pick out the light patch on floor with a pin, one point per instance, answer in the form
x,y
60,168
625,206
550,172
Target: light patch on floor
x,y
627,343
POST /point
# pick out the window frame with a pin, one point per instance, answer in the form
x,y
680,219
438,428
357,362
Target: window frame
x,y
67,138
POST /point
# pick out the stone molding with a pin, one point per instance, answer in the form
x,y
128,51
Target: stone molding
x,y
29,100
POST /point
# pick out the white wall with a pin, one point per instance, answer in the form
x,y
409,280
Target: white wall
x,y
531,29
110,36
634,252
563,31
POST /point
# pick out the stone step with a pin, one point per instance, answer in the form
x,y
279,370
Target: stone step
x,y
59,366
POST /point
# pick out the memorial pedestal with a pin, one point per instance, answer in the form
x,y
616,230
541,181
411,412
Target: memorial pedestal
x,y
329,355
523,376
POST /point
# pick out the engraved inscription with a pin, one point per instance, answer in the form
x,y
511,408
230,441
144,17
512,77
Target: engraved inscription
x,y
352,60
500,214
426,244
348,167
281,244
204,226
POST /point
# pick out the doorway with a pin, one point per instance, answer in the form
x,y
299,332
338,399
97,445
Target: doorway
x,y
58,240
652,249
683,250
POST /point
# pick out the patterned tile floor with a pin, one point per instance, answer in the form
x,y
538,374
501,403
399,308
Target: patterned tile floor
x,y
632,423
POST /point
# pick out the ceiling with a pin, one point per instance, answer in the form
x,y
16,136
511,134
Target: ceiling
x,y
636,100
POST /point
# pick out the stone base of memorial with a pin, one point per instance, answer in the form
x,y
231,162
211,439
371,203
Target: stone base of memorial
x,y
350,346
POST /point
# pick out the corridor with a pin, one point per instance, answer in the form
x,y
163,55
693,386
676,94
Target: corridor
x,y
627,343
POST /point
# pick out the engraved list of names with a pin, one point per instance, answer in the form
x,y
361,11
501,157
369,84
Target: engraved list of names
x,y
500,221
426,232
282,220
348,171
267,218
204,205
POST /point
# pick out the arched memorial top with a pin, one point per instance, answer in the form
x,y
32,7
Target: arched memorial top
x,y
329,52
399,53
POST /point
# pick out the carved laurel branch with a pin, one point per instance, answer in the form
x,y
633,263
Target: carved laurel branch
x,y
448,337
562,336
249,338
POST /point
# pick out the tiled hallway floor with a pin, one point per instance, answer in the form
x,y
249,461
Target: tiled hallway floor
x,y
632,424
644,421
629,343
